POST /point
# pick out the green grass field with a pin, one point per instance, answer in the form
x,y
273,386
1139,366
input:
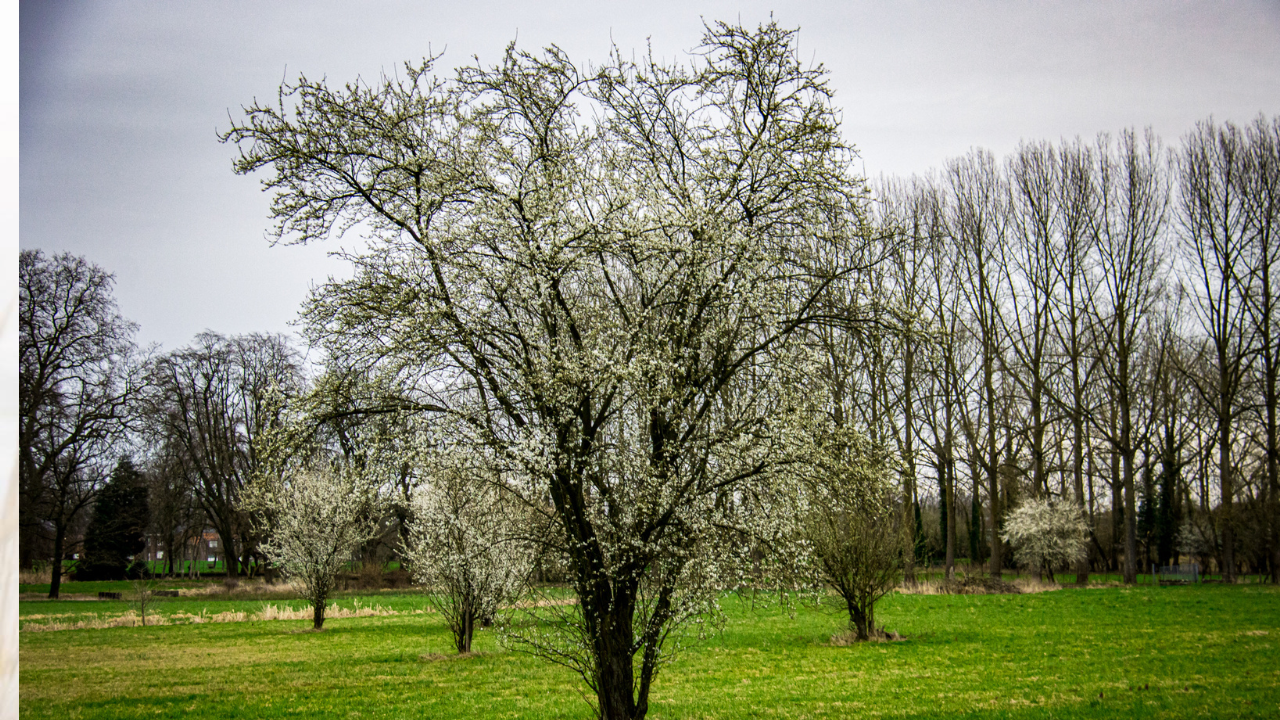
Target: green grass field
x,y
1207,651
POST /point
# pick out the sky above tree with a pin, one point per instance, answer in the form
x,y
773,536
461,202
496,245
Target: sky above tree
x,y
121,104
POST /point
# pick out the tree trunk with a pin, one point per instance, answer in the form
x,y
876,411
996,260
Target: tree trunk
x,y
230,559
55,582
975,525
948,471
318,614
862,622
1130,523
615,688
1228,493
1117,512
993,479
466,629
947,516
993,468
909,457
1272,432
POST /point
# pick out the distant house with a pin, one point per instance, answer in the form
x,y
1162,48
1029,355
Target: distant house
x,y
204,548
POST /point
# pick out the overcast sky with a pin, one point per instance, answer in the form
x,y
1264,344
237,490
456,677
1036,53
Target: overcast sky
x,y
121,103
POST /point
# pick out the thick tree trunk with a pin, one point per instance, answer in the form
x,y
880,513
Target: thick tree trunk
x,y
861,621
55,582
317,616
230,559
615,682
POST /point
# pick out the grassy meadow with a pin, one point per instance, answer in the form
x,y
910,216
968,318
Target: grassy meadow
x,y
1147,652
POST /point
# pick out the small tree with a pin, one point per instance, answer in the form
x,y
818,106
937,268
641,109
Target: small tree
x,y
144,589
465,545
1045,534
858,534
316,519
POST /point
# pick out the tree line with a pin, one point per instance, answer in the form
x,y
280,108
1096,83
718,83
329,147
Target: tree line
x,y
92,405
1099,324
640,328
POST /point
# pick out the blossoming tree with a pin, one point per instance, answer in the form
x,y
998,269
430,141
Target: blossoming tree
x,y
1045,534
600,275
317,517
468,546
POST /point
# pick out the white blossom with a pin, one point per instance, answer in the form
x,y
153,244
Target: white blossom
x,y
317,518
1046,534
466,544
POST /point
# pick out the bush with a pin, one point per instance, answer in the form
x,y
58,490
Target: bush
x,y
1046,534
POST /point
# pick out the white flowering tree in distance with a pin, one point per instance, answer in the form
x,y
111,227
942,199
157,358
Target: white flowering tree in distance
x,y
1046,534
317,517
601,275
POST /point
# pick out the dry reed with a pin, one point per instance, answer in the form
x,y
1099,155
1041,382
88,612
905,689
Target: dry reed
x,y
267,613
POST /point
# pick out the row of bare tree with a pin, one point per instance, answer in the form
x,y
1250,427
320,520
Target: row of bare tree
x,y
1094,321
88,396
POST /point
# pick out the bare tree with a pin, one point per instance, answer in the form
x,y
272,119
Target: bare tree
x,y
77,378
175,515
1133,189
1261,190
1034,180
924,293
944,369
209,402
978,225
1077,202
1215,240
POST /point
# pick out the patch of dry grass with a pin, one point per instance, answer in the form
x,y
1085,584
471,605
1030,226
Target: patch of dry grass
x,y
977,585
256,587
46,623
37,576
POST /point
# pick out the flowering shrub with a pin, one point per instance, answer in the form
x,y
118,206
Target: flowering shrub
x,y
317,518
1045,534
465,546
